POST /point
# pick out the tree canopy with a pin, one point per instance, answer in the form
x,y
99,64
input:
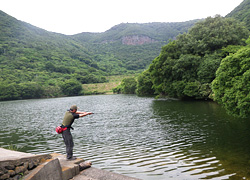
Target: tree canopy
x,y
186,66
231,86
127,86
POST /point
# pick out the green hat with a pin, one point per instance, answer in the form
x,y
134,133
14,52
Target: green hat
x,y
73,107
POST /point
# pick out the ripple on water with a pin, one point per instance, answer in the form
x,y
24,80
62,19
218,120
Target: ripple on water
x,y
140,137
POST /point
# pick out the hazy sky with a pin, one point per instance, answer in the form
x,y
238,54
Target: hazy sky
x,y
76,16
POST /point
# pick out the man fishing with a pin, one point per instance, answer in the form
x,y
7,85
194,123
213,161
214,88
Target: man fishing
x,y
68,120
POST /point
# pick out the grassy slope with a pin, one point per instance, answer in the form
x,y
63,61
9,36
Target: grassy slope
x,y
105,88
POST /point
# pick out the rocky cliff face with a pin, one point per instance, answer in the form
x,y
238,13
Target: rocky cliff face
x,y
137,40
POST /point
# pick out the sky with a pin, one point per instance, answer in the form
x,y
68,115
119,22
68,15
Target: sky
x,y
75,16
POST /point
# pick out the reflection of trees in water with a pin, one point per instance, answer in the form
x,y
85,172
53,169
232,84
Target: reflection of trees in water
x,y
208,130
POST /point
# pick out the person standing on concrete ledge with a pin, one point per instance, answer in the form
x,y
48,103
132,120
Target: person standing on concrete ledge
x,y
68,120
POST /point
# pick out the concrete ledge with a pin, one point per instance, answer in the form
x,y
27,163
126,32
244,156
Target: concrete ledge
x,y
7,155
57,168
14,164
98,174
49,167
69,168
49,170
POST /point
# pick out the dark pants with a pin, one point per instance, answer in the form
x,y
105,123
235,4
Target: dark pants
x,y
68,140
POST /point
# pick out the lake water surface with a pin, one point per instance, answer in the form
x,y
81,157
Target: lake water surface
x,y
136,136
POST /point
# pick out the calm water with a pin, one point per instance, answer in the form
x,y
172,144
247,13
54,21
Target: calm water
x,y
136,136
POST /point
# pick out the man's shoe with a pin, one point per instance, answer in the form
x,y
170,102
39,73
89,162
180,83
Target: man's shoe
x,y
71,159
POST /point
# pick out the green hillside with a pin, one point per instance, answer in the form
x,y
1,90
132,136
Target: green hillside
x,y
36,63
242,13
113,51
27,52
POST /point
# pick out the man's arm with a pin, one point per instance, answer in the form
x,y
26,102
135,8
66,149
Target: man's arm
x,y
81,114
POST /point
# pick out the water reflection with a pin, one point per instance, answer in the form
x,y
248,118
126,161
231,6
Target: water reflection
x,y
218,140
136,136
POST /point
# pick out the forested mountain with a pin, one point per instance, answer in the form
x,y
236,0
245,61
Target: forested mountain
x,y
130,46
38,63
242,13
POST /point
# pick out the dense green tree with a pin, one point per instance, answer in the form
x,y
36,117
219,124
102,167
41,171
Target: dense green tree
x,y
208,66
215,33
144,84
127,86
231,86
8,91
30,90
52,91
117,89
186,66
71,87
191,89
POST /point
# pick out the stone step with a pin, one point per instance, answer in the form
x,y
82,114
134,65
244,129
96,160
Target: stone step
x,y
69,168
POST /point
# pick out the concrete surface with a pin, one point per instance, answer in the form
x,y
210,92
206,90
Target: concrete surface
x,y
6,154
58,168
50,170
98,174
69,168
